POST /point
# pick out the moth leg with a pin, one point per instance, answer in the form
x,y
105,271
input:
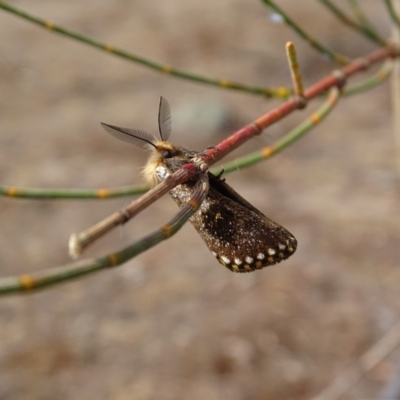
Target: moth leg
x,y
220,174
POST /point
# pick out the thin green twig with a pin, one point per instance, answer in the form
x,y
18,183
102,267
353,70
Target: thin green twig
x,y
376,79
64,193
340,59
360,15
392,12
288,139
53,276
279,92
294,67
363,29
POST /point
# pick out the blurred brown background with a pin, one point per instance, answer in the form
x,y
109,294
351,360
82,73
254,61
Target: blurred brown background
x,y
173,323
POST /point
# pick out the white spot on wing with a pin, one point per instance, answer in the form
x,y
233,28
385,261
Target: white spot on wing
x,y
226,260
271,252
249,260
260,256
238,261
282,246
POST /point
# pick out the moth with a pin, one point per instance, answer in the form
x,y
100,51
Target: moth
x,y
241,237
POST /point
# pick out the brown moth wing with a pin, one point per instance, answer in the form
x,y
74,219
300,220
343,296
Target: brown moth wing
x,y
239,235
223,188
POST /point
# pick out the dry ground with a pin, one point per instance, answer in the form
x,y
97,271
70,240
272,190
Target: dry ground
x,y
174,324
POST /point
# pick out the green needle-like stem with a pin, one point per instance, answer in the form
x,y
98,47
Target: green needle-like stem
x,y
365,30
50,277
342,60
163,68
60,193
392,12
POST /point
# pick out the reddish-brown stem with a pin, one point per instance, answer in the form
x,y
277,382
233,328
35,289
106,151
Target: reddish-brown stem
x,y
337,78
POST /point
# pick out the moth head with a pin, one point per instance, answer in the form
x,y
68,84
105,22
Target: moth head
x,y
165,158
